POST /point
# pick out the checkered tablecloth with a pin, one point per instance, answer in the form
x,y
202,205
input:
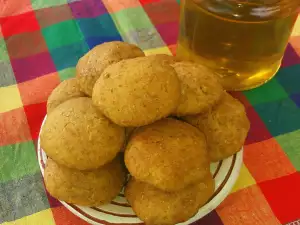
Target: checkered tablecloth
x,y
40,43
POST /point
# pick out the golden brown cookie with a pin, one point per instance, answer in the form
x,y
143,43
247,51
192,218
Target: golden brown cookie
x,y
168,154
64,91
137,92
157,207
86,188
200,89
226,127
78,136
92,64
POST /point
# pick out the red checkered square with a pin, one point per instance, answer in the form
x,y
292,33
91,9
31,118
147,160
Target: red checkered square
x,y
247,207
14,7
12,25
34,66
35,114
242,98
266,160
143,2
1,35
51,15
37,90
258,130
26,44
13,127
168,32
290,57
295,42
53,202
283,196
157,11
63,216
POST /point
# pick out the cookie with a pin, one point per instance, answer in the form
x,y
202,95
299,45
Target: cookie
x,y
92,64
226,127
78,136
85,188
154,206
64,91
137,92
200,88
168,154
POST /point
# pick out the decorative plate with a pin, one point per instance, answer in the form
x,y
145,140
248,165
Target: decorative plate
x,y
225,173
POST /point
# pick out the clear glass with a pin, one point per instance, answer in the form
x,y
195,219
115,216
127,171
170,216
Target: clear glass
x,y
243,41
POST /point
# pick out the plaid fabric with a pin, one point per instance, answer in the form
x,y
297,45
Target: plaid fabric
x,y
40,43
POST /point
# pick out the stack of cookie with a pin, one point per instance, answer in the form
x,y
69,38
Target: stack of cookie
x,y
171,117
84,166
169,166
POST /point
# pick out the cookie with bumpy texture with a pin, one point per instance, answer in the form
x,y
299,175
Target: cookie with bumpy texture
x,y
66,90
92,64
226,127
78,136
200,88
86,188
157,207
137,92
168,154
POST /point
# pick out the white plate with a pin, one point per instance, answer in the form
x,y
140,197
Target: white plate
x,y
225,174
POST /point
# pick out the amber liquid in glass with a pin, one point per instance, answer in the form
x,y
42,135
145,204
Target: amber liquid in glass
x,y
244,50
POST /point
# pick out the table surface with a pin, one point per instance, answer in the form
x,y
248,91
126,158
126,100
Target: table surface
x,y
40,43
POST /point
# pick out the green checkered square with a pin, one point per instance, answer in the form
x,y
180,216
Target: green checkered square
x,y
269,92
66,73
60,34
280,116
290,143
17,161
38,4
23,197
147,38
288,77
131,19
3,50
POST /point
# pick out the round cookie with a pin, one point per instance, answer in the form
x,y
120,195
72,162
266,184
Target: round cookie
x,y
157,207
64,91
86,188
78,136
226,127
168,154
137,92
92,64
200,89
